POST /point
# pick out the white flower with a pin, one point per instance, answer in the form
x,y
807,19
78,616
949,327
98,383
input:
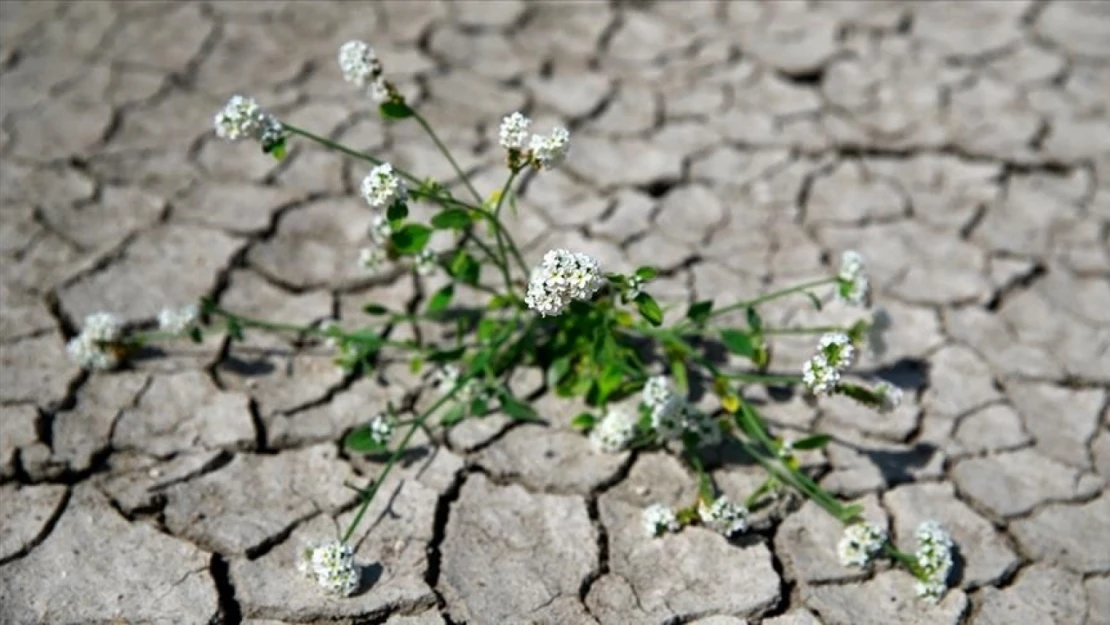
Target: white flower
x,y
656,391
379,90
242,118
838,350
819,377
445,378
372,258
381,428
672,416
934,557
548,152
560,278
723,516
359,63
659,519
668,418
860,544
178,322
382,187
426,262
890,396
92,348
380,230
332,566
635,287
614,432
514,132
853,285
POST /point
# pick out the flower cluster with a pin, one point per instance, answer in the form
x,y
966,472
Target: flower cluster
x,y
426,262
860,544
372,259
723,516
614,432
561,278
381,428
853,285
96,347
889,396
446,377
540,151
659,519
672,416
382,187
361,67
332,566
242,118
835,353
934,559
178,322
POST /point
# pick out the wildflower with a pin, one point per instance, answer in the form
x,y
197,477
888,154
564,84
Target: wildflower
x,y
514,132
667,408
372,259
382,187
95,347
635,287
359,63
723,516
445,378
934,559
548,152
560,278
705,429
332,566
242,118
656,391
860,544
381,429
380,230
614,432
659,519
819,377
853,285
178,322
890,396
838,349
426,262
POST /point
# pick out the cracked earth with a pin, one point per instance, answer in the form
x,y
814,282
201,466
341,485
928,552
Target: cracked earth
x,y
963,148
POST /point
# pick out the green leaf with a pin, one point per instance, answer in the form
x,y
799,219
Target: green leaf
x,y
441,299
738,342
816,441
362,440
649,309
678,372
583,422
234,329
451,218
416,364
478,406
207,306
489,328
646,273
276,149
395,110
558,370
196,335
699,311
464,268
397,211
609,381
755,322
517,409
454,415
375,309
813,298
411,239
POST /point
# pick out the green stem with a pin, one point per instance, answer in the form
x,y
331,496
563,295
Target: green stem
x,y
447,154
907,560
811,330
248,322
499,235
771,296
753,499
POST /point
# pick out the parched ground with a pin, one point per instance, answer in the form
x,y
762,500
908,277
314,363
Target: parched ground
x,y
963,148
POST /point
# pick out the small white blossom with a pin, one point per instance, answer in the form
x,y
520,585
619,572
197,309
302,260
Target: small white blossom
x,y
560,278
819,377
890,396
635,287
854,286
659,519
860,544
379,90
838,350
359,63
242,118
92,348
380,230
178,321
382,187
934,557
445,378
723,516
372,259
786,451
513,134
614,432
548,152
656,391
426,262
381,428
332,566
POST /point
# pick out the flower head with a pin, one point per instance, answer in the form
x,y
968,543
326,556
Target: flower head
x,y
372,259
382,187
359,63
723,516
178,322
838,350
853,285
380,230
614,432
659,519
890,396
94,347
242,118
513,134
934,558
548,152
561,278
819,376
381,428
426,262
332,566
860,544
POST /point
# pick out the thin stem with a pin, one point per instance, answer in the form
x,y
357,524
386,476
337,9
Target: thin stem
x,y
810,330
288,327
447,154
499,235
771,296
